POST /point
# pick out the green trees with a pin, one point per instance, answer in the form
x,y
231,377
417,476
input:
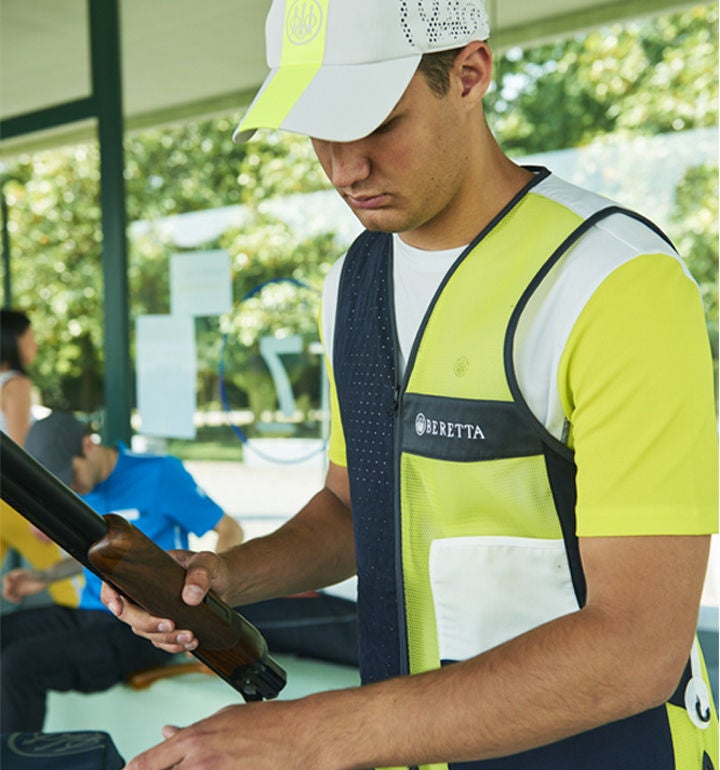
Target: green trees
x,y
651,76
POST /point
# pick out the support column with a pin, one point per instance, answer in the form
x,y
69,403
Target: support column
x,y
107,93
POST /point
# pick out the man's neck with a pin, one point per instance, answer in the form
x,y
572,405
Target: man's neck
x,y
497,182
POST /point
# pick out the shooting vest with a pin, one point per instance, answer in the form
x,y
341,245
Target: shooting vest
x,y
463,503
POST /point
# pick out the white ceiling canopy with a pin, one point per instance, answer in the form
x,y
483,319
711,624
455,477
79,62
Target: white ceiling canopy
x,y
183,58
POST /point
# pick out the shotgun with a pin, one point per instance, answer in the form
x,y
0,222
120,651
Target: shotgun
x,y
120,554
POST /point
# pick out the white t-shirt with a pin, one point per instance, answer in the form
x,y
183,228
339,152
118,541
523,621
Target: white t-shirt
x,y
417,275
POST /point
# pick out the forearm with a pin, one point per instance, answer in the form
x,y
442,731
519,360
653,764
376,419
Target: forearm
x,y
558,680
60,571
19,583
312,550
17,405
229,533
622,654
18,425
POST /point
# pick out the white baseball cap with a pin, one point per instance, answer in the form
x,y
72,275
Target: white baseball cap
x,y
339,67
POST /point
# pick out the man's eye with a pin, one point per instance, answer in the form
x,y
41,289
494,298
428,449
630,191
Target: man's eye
x,y
385,127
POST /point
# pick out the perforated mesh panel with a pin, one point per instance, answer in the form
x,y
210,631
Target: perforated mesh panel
x,y
365,377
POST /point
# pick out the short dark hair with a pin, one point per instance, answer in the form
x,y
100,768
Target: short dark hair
x,y
436,69
13,324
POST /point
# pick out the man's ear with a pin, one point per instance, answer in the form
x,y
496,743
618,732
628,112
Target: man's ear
x,y
87,444
473,67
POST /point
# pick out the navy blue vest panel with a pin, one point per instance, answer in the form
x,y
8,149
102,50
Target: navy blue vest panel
x,y
364,364
561,472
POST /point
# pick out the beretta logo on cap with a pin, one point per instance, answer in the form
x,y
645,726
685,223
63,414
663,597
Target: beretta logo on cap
x,y
304,21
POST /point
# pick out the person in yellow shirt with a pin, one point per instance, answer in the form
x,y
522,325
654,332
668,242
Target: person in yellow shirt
x,y
18,349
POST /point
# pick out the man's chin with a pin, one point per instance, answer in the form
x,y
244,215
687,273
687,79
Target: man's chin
x,y
379,221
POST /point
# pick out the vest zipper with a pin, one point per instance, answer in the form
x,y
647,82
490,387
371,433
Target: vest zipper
x,y
394,411
394,407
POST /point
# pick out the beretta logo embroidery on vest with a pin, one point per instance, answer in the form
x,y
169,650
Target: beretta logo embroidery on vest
x,y
445,429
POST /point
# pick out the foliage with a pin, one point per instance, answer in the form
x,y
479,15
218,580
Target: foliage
x,y
646,77
696,237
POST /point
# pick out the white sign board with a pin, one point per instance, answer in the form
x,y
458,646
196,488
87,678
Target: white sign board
x,y
166,375
200,283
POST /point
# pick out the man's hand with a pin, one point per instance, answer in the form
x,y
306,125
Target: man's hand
x,y
245,736
19,583
204,571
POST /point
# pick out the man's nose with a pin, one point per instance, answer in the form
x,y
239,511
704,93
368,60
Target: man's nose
x,y
348,163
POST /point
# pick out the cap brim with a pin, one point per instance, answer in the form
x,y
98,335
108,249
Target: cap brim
x,y
333,103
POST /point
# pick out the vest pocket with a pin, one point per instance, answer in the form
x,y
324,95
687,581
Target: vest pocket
x,y
487,590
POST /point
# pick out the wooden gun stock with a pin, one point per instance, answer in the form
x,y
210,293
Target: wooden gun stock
x,y
123,556
231,646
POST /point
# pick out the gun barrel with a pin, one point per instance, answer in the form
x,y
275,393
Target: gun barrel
x,y
41,498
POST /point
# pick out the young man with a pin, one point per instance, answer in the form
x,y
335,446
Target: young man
x,y
85,648
523,451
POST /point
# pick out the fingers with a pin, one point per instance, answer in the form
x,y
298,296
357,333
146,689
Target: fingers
x,y
12,585
10,593
112,600
160,631
164,756
203,571
170,731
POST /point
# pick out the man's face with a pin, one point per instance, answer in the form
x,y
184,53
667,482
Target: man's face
x,y
408,175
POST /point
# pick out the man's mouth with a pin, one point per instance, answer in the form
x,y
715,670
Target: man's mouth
x,y
366,202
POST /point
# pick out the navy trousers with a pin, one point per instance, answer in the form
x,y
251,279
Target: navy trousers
x,y
319,626
60,648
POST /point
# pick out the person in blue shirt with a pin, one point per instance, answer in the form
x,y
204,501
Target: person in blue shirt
x,y
85,648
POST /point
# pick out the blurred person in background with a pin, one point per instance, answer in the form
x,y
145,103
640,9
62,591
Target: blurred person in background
x,y
18,348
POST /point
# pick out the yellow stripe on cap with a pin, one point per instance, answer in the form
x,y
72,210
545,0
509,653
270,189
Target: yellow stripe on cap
x,y
304,33
305,29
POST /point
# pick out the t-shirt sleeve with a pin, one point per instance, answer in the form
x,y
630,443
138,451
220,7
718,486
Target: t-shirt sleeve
x,y
636,384
186,501
336,442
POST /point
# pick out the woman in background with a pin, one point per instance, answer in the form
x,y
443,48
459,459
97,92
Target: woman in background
x,y
18,349
17,352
